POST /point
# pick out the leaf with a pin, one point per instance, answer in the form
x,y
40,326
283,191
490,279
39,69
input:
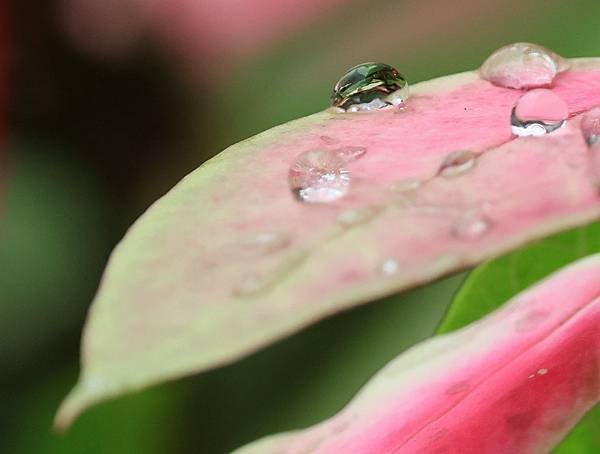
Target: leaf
x,y
192,286
515,381
489,285
494,282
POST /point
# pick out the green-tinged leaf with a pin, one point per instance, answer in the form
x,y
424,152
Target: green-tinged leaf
x,y
229,260
494,282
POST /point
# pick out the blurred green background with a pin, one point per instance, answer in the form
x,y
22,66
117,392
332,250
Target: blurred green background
x,y
106,114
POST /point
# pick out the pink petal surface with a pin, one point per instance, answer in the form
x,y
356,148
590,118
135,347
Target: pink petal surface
x,y
515,381
170,302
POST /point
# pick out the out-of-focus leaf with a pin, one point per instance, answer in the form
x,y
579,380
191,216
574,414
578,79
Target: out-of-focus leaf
x,y
52,237
515,381
193,285
142,423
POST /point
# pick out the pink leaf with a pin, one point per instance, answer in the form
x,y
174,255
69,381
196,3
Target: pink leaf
x,y
229,260
513,382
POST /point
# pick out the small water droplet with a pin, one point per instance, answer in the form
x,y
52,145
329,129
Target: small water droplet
x,y
319,176
590,126
350,154
471,225
370,86
543,371
269,241
353,217
522,66
457,163
390,267
538,112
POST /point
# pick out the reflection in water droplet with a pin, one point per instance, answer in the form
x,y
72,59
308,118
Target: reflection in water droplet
x,y
590,126
269,241
390,267
353,217
538,112
319,176
471,225
350,154
522,65
457,163
370,86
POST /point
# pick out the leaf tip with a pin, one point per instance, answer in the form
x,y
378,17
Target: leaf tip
x,y
82,396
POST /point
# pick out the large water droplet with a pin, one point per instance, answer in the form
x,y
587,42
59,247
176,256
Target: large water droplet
x,y
522,65
370,86
319,176
457,163
538,112
471,225
590,126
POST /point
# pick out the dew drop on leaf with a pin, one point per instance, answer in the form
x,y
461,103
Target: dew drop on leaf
x,y
457,163
370,86
389,267
523,66
471,225
319,176
538,112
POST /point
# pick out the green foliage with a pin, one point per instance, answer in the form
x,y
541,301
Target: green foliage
x,y
495,282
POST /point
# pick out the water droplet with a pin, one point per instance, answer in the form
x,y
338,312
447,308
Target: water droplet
x,y
269,241
522,65
353,217
538,112
370,86
542,371
590,126
471,225
350,154
390,267
319,176
457,163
